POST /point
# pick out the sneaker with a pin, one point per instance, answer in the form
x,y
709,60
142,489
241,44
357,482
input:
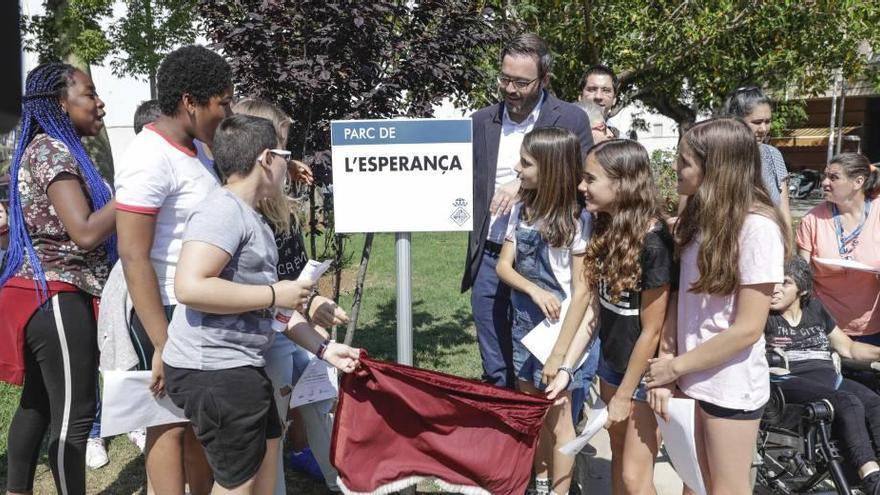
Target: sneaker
x,y
96,454
305,462
139,438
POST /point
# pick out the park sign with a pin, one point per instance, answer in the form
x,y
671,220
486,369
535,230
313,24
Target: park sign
x,y
402,175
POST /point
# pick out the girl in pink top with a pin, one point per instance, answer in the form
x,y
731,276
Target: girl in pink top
x,y
732,244
846,227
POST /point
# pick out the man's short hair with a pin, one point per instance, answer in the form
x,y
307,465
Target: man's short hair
x,y
147,112
238,142
530,45
602,70
799,270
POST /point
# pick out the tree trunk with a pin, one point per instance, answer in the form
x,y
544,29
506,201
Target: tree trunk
x,y
359,289
682,114
153,93
337,272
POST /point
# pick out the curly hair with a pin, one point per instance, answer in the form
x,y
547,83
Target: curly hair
x,y
192,70
727,153
614,254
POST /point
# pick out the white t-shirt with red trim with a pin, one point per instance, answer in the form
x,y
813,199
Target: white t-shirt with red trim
x,y
158,177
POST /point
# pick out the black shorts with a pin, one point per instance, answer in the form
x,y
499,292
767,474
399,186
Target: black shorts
x,y
233,414
725,413
143,346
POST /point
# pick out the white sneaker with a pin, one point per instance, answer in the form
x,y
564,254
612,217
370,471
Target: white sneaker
x,y
139,438
96,454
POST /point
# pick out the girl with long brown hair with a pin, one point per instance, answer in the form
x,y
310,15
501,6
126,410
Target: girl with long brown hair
x,y
731,242
542,261
629,263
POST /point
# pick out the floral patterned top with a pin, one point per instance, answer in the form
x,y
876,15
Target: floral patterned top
x,y
62,260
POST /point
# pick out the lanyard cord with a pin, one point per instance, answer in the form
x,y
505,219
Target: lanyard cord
x,y
852,238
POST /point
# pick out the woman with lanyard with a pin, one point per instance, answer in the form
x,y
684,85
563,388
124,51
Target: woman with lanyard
x,y
842,230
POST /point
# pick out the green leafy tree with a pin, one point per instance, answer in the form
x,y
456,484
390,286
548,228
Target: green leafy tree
x,y
149,30
681,57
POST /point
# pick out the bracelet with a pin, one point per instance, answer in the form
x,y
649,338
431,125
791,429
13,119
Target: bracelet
x,y
567,370
272,304
322,349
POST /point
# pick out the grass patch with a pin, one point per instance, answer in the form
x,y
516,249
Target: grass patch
x,y
443,340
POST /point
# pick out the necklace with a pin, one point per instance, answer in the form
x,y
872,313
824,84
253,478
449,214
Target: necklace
x,y
846,244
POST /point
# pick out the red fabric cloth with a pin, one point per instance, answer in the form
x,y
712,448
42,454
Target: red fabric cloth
x,y
19,300
395,421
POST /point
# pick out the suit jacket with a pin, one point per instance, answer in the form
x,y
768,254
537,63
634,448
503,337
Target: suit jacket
x,y
487,133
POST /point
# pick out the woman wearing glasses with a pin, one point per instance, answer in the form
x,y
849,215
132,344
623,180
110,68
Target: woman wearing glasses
x,y
750,104
846,227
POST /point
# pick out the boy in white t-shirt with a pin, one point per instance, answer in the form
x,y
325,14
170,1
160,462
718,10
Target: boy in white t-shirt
x,y
160,181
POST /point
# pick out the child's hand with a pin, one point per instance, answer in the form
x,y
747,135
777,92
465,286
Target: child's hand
x,y
658,399
555,391
660,372
300,172
551,368
545,300
325,313
619,409
342,357
292,294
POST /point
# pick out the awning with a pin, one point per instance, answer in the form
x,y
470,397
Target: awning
x,y
813,136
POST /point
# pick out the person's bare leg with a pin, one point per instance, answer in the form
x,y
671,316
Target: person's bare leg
x,y
729,445
264,481
544,451
163,458
640,450
617,437
559,418
198,472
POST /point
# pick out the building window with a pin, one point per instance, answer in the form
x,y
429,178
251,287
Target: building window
x,y
657,130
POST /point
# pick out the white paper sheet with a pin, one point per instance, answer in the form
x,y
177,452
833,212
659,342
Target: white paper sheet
x,y
678,436
848,264
128,404
598,417
541,339
313,270
318,382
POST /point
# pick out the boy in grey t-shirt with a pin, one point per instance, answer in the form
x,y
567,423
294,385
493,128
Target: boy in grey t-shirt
x,y
227,287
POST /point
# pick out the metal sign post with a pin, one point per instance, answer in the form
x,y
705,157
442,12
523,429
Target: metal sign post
x,y
404,298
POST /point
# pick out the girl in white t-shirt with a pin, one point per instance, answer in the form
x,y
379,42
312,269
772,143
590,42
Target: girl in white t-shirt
x,y
732,243
542,260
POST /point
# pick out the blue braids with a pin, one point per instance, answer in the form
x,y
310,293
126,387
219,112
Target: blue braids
x,y
41,112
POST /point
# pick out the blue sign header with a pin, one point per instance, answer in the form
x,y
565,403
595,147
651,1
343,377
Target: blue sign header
x,y
404,131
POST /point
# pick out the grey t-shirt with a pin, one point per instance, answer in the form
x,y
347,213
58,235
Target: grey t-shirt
x,y
207,341
773,172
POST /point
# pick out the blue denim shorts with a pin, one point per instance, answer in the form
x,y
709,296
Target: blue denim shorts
x,y
614,378
527,367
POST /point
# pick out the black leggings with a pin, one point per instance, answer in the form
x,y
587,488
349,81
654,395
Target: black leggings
x,y
856,409
59,394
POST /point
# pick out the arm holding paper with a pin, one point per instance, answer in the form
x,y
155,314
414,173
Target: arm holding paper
x,y
580,298
576,350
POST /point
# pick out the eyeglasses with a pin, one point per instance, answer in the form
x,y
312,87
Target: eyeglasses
x,y
599,89
519,84
282,153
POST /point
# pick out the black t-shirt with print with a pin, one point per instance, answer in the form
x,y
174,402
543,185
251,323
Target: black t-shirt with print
x,y
619,322
810,334
292,257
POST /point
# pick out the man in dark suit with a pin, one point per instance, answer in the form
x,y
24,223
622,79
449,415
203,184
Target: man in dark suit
x,y
498,133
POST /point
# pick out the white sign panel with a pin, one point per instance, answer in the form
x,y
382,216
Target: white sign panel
x,y
402,175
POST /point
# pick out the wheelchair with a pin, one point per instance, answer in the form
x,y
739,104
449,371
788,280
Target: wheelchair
x,y
795,451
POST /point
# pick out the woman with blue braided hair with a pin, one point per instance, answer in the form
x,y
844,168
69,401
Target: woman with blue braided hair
x,y
61,221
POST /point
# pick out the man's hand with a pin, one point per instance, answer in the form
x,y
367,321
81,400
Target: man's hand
x,y
504,199
300,172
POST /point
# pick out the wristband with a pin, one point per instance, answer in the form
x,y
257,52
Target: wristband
x,y
567,370
272,304
322,349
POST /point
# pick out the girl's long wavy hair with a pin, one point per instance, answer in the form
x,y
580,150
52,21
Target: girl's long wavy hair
x,y
614,253
41,113
554,206
279,209
728,155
